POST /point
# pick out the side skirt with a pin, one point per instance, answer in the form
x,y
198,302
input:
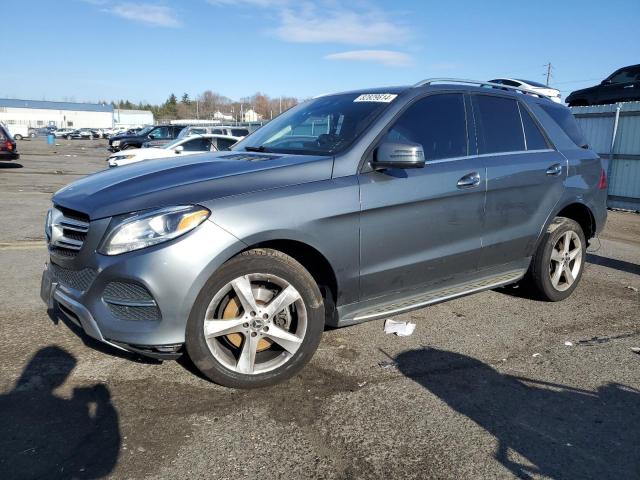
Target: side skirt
x,y
413,302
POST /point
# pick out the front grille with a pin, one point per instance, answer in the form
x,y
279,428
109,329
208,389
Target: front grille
x,y
76,279
67,231
135,314
131,301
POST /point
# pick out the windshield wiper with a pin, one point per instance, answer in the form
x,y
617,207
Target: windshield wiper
x,y
255,149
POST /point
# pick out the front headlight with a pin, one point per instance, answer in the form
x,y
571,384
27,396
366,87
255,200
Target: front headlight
x,y
115,143
151,228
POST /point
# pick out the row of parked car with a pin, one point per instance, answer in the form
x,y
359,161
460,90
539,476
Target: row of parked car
x,y
157,142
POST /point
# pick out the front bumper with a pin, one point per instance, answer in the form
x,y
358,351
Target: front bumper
x,y
172,273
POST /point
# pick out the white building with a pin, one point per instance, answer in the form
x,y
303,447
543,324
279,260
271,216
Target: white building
x,y
222,117
251,116
37,113
132,118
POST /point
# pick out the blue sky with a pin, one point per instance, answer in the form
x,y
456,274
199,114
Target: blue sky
x,y
86,50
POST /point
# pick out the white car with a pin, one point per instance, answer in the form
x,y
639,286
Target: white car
x,y
552,93
63,132
239,132
18,132
191,145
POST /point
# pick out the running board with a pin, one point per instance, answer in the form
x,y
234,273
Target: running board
x,y
437,296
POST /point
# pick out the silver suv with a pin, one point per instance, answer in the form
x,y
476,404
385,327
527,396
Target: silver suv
x,y
346,208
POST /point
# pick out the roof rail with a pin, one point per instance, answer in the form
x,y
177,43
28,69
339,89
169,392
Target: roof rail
x,y
430,81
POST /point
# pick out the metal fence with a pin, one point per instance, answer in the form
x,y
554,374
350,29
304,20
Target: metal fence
x,y
613,131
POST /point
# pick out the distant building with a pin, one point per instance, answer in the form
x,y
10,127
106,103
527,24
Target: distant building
x,y
132,118
40,113
222,117
251,116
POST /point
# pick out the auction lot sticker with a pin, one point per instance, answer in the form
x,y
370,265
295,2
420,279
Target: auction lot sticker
x,y
376,97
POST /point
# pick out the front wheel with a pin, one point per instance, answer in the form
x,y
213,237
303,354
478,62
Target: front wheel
x,y
257,321
557,265
17,137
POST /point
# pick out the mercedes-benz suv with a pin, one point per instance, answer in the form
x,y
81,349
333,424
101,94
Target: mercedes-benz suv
x,y
347,208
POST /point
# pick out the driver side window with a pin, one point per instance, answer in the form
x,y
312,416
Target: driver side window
x,y
436,122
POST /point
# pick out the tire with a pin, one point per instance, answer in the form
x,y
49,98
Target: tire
x,y
68,137
549,278
124,147
17,137
283,341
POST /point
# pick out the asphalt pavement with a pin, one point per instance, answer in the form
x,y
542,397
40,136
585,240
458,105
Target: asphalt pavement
x,y
493,385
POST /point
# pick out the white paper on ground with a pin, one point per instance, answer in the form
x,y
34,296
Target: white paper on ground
x,y
400,328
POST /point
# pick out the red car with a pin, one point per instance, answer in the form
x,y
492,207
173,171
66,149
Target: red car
x,y
8,149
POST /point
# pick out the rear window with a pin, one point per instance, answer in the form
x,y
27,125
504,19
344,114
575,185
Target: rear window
x,y
239,132
498,124
534,138
564,118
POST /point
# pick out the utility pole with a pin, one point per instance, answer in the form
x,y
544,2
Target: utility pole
x,y
549,67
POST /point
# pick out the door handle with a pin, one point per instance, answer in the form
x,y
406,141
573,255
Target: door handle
x,y
470,180
629,86
554,169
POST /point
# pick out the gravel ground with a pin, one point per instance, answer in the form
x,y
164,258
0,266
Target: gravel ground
x,y
486,387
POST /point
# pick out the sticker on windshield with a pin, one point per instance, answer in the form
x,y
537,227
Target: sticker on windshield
x,y
376,97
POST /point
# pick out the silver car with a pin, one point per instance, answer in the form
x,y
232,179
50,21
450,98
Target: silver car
x,y
347,208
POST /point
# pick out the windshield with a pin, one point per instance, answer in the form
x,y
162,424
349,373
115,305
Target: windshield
x,y
322,126
144,131
534,84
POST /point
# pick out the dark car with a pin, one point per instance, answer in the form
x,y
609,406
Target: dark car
x,y
623,85
8,148
152,136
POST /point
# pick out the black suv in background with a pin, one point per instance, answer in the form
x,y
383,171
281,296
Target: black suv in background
x,y
623,85
8,148
152,136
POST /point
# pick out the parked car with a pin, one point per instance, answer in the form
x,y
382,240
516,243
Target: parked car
x,y
63,132
191,145
8,147
406,197
38,132
540,88
18,132
623,85
153,135
82,134
237,132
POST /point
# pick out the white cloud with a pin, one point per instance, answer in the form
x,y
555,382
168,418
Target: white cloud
x,y
147,13
385,57
327,21
338,26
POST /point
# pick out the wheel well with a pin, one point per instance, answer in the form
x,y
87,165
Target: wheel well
x,y
311,259
581,214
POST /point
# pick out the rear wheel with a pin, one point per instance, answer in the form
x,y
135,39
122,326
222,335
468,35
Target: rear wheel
x,y
557,265
17,137
257,321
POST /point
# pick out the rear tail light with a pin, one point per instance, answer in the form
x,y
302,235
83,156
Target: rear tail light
x,y
8,145
602,184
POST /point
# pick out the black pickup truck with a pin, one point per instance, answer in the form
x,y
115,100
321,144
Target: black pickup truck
x,y
153,136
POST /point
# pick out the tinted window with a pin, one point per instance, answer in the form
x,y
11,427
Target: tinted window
x,y
436,122
498,125
511,83
161,132
217,131
224,143
239,132
625,75
534,138
563,117
197,145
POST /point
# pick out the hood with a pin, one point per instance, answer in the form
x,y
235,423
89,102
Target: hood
x,y
188,180
581,91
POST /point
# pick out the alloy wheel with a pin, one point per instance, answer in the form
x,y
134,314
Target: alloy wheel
x,y
566,261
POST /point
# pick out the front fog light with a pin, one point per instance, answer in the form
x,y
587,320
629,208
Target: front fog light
x,y
150,228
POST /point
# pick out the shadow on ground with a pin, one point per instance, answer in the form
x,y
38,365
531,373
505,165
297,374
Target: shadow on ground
x,y
565,433
9,165
43,435
620,265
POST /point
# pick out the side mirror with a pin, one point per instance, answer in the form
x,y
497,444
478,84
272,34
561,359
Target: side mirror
x,y
398,155
179,149
606,82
